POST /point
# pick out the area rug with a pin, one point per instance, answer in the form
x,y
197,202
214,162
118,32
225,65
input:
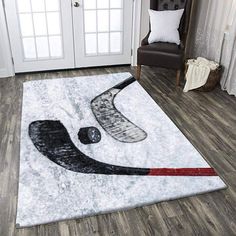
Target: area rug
x,y
98,144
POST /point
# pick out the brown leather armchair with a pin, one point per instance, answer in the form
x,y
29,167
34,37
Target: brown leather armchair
x,y
167,55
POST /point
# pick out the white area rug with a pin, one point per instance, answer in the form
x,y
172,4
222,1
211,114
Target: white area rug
x,y
52,189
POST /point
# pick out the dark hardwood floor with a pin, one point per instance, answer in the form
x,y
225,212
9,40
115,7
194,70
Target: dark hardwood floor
x,y
207,119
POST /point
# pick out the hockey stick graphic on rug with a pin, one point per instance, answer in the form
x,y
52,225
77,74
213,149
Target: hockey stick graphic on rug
x,y
112,120
53,141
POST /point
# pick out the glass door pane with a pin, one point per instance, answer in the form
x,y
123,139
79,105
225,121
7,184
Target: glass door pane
x,y
41,34
102,32
103,23
39,22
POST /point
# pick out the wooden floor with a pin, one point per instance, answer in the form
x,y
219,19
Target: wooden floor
x,y
207,119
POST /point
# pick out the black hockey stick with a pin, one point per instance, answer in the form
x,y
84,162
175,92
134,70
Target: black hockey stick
x,y
53,141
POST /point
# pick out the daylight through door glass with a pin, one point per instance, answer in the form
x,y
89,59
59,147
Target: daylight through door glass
x,y
103,27
41,31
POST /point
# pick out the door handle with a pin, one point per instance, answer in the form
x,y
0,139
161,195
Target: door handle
x,y
76,4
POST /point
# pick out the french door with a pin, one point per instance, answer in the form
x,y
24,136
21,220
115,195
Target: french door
x,y
102,32
59,34
41,34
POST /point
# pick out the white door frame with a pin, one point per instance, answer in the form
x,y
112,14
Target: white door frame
x,y
7,69
136,34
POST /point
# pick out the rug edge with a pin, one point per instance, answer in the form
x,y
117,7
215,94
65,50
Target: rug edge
x,y
50,79
18,226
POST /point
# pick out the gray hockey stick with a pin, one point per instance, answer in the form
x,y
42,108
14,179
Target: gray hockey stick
x,y
112,120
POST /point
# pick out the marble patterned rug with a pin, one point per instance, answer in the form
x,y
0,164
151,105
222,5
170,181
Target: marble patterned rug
x,y
98,144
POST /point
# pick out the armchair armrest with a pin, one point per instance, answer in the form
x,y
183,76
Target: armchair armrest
x,y
145,40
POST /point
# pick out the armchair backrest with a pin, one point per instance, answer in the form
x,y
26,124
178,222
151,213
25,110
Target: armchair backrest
x,y
162,5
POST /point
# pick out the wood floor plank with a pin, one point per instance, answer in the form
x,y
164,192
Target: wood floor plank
x,y
208,120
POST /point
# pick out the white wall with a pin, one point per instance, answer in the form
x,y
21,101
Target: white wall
x,y
6,67
144,18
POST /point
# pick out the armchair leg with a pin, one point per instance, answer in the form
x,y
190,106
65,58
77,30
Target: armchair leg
x,y
138,72
178,77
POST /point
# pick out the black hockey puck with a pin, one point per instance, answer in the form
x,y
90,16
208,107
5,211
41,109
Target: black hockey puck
x,y
89,135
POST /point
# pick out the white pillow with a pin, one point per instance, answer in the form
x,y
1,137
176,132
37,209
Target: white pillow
x,y
164,26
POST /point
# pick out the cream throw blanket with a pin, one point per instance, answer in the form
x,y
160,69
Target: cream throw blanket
x,y
198,72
